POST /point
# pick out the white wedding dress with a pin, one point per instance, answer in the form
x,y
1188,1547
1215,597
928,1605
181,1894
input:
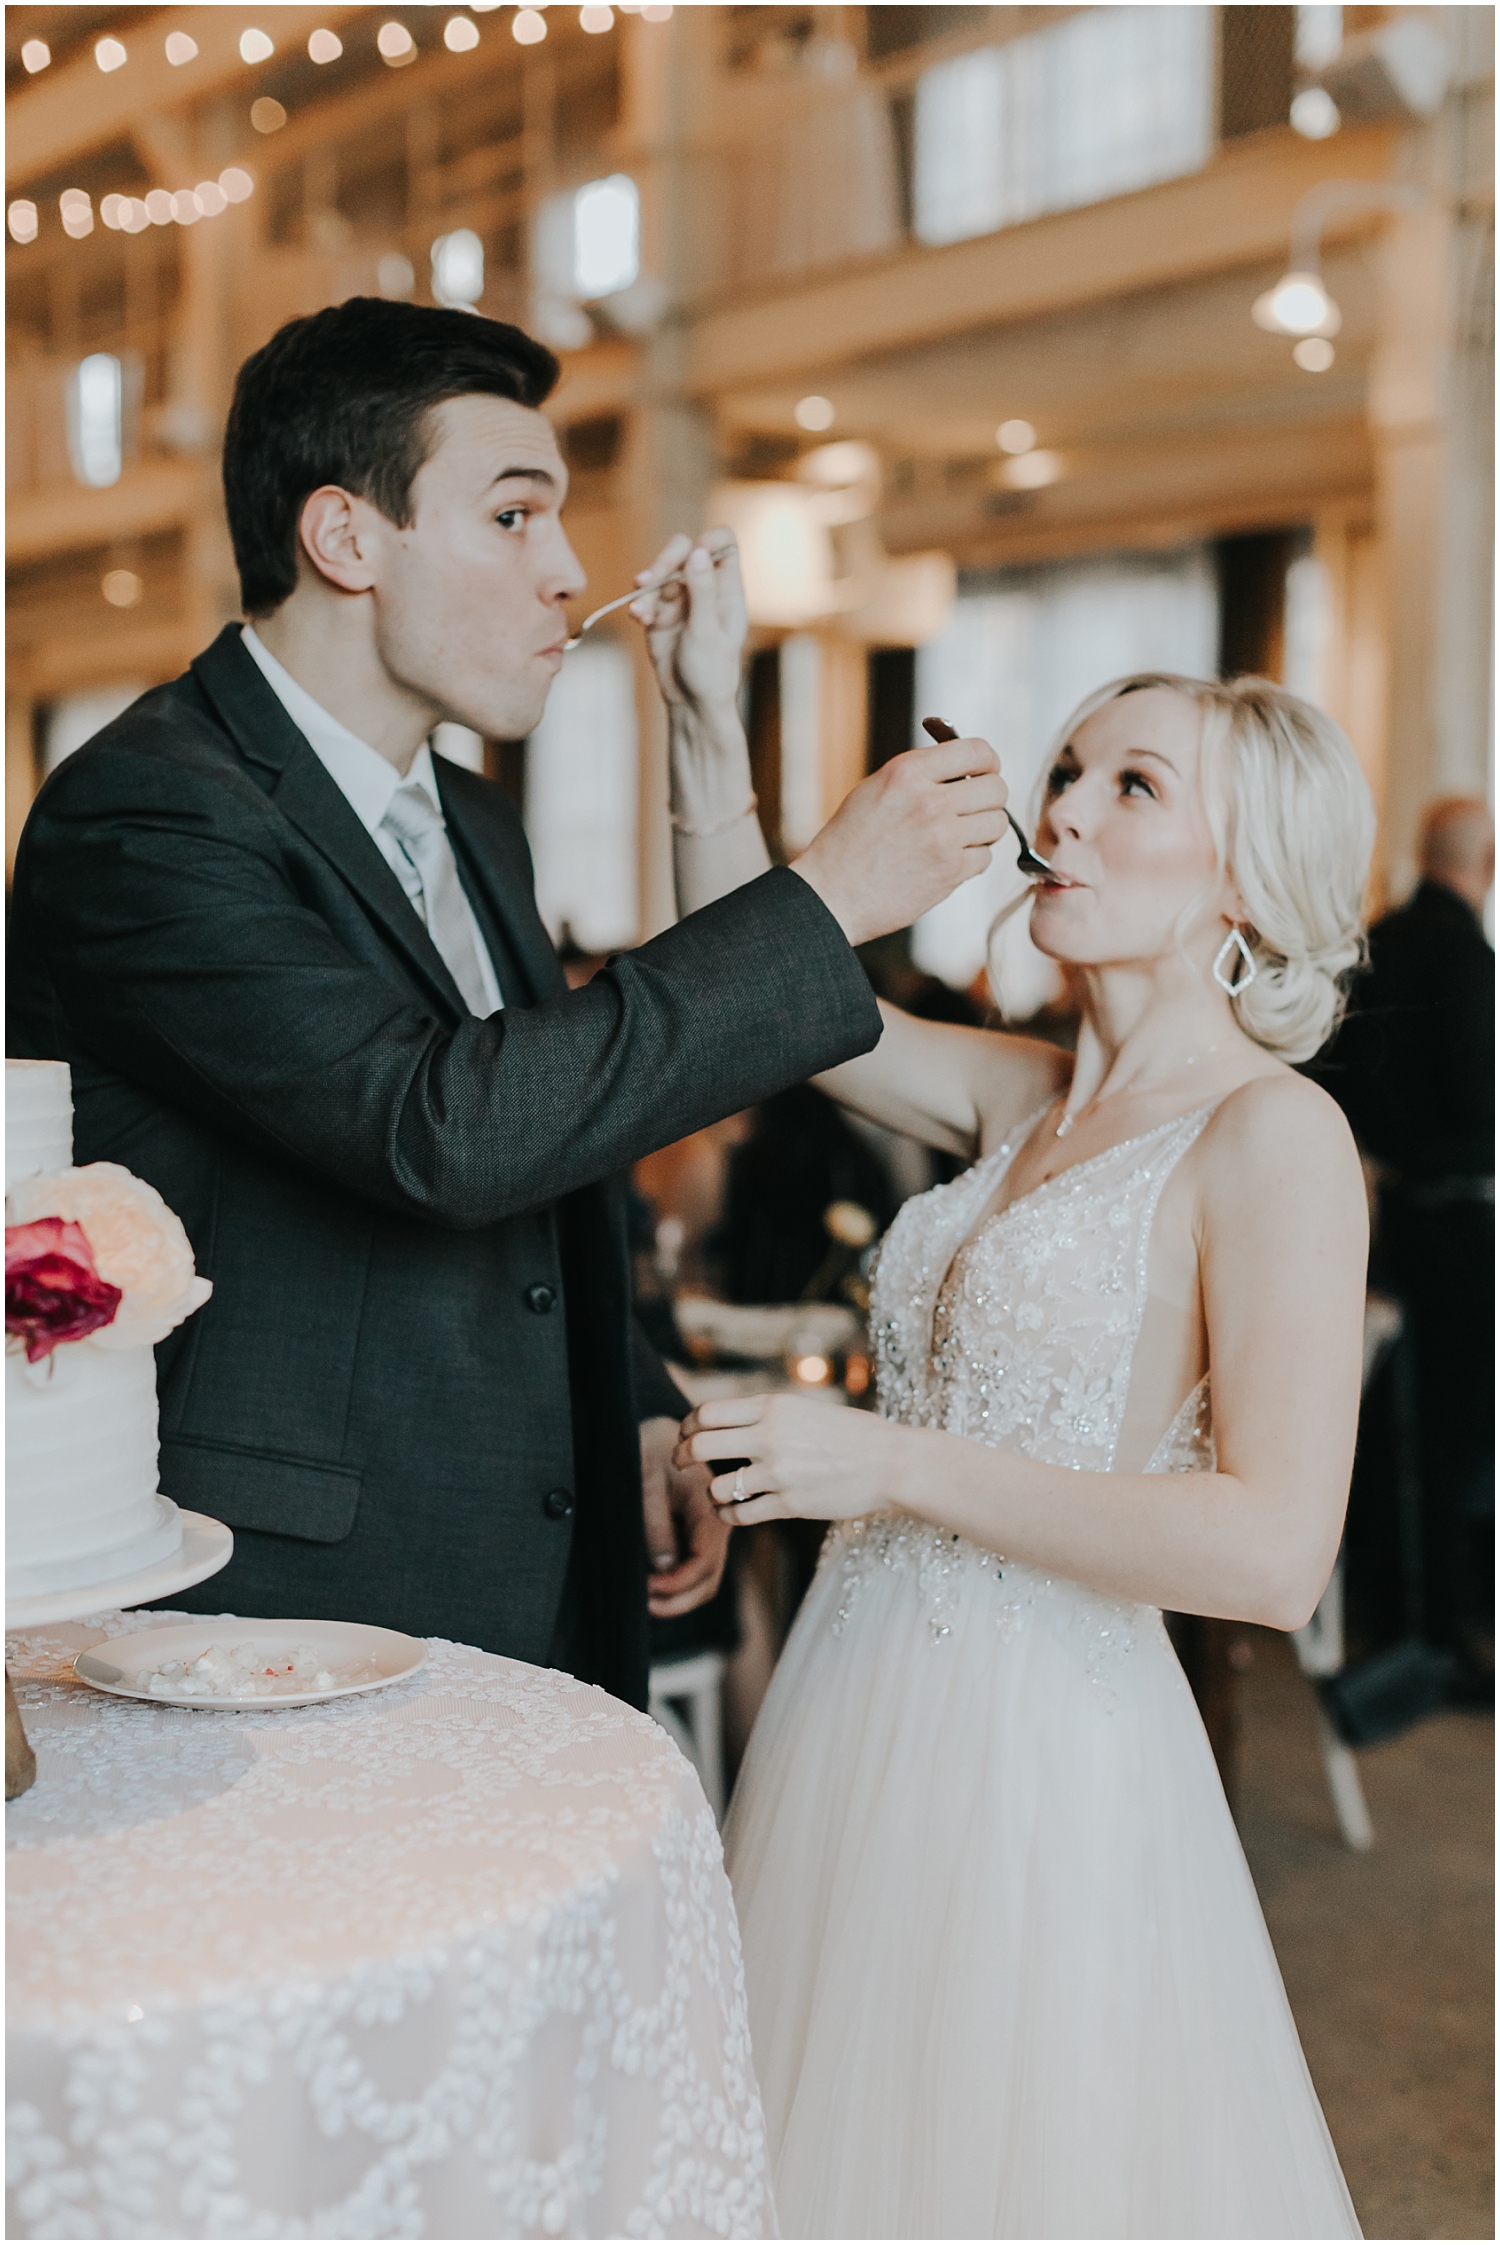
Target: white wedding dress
x,y
1008,1975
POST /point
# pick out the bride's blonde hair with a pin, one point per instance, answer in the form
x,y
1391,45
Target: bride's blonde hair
x,y
1293,825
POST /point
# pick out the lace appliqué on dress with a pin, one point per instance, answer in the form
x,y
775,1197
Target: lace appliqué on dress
x,y
1020,1334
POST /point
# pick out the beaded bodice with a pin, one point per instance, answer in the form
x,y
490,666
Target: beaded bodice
x,y
1020,1331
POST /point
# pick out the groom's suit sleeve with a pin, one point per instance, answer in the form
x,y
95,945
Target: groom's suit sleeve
x,y
165,895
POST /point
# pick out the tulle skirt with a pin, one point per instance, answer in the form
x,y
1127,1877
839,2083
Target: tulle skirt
x,y
1008,1975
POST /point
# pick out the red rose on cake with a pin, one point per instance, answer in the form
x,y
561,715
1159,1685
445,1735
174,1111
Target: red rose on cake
x,y
53,1291
132,1244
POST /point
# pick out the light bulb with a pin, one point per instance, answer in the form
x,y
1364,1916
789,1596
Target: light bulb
x,y
460,34
109,54
35,56
814,414
180,49
1299,304
1015,436
1314,114
1314,354
325,46
255,46
528,25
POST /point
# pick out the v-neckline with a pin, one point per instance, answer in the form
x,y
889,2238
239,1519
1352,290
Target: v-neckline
x,y
1072,1169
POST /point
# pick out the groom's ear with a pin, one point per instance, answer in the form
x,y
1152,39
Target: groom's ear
x,y
337,533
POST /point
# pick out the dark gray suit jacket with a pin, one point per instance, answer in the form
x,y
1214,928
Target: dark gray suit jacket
x,y
414,1394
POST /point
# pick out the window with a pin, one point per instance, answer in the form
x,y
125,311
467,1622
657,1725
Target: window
x,y
1108,100
96,397
581,794
606,236
1022,651
458,268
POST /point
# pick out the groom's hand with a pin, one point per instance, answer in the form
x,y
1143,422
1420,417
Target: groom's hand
x,y
686,1540
907,836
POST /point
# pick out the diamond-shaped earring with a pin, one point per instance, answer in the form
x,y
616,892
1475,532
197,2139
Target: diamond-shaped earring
x,y
1246,972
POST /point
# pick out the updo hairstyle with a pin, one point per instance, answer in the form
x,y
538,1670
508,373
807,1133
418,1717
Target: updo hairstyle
x,y
1294,826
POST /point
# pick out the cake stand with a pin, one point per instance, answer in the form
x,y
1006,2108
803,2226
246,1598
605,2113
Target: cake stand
x,y
207,1545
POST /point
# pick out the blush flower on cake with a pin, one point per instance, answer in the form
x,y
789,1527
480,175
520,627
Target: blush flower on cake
x,y
53,1289
138,1246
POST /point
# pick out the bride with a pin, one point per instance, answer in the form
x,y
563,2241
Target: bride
x,y
1007,1972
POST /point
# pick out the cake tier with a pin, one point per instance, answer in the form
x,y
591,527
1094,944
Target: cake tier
x,y
38,1118
81,1502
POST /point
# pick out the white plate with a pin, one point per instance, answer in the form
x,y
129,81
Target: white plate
x,y
207,1545
359,1658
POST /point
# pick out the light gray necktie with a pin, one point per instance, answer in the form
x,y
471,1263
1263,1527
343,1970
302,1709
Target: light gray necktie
x,y
418,826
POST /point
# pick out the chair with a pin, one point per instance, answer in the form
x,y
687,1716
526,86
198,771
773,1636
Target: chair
x,y
686,1699
1319,1645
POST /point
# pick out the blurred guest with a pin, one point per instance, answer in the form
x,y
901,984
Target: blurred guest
x,y
1414,1069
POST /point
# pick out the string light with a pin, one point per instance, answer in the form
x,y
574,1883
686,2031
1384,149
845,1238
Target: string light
x,y
109,54
814,414
77,213
22,220
325,46
596,18
126,214
1314,354
266,115
122,588
256,47
180,48
211,198
396,44
528,26
1015,436
460,34
35,56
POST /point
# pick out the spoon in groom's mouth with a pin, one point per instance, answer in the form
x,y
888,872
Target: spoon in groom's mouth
x,y
677,577
938,729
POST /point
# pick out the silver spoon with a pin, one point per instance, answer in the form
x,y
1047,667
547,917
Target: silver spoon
x,y
1029,860
678,577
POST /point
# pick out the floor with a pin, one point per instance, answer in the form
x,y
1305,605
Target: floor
x,y
1388,1957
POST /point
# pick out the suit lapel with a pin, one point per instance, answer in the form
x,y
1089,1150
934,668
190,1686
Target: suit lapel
x,y
304,792
491,845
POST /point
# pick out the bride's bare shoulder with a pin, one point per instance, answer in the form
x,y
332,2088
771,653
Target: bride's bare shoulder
x,y
1280,1132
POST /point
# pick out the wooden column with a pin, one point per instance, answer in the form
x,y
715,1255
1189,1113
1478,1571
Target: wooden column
x,y
1431,412
669,462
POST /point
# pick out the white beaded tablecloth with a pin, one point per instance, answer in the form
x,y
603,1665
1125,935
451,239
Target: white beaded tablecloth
x,y
452,1959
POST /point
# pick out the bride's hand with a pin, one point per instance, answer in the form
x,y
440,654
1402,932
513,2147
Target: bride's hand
x,y
807,1460
695,632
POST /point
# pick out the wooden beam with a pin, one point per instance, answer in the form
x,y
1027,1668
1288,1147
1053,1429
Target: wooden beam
x,y
61,517
1237,211
1165,494
54,667
77,106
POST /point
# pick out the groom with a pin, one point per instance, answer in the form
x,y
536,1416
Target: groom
x,y
295,962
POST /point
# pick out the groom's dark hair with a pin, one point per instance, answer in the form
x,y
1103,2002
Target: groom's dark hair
x,y
345,396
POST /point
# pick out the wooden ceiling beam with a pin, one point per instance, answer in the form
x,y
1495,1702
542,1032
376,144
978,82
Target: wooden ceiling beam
x,y
1236,211
77,106
60,517
1166,493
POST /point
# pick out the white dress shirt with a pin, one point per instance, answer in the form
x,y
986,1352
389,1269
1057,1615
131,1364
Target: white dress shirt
x,y
368,781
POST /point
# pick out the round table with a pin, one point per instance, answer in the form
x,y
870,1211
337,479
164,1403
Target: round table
x,y
452,1959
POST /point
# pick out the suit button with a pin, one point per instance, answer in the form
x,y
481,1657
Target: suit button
x,y
558,1504
541,1299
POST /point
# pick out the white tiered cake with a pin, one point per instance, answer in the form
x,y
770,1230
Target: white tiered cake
x,y
82,1508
